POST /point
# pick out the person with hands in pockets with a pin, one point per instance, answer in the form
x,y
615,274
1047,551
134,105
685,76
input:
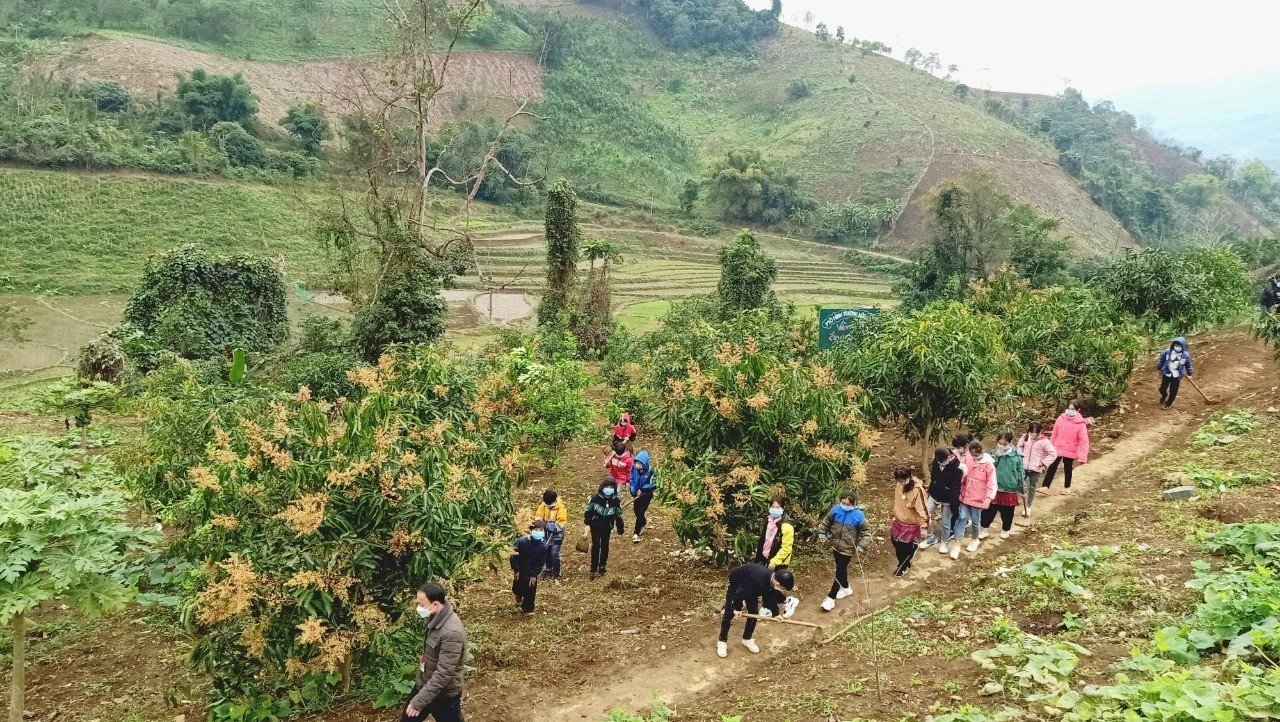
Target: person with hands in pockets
x,y
437,687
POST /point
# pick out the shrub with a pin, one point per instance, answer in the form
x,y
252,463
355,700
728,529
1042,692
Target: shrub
x,y
304,519
203,19
798,90
407,310
747,274
325,373
290,163
107,95
306,122
1178,292
242,149
1066,342
101,359
747,420
208,99
198,306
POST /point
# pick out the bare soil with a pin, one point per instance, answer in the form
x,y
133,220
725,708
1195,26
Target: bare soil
x,y
478,81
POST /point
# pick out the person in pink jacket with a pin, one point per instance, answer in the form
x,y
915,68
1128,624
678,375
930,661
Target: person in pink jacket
x,y
1070,438
1037,454
977,490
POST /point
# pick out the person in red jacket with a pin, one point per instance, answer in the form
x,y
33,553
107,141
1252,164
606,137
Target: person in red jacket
x,y
625,431
619,464
1070,438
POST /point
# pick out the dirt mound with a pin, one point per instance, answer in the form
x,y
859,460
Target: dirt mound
x,y
1042,184
478,81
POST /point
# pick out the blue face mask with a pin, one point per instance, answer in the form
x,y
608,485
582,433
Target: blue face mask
x,y
775,513
847,507
607,491
537,535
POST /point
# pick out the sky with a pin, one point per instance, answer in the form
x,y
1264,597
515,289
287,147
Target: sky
x,y
1100,47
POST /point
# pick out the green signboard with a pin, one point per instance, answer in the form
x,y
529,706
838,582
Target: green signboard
x,y
835,323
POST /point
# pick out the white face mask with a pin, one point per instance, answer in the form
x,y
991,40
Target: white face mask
x,y
1071,413
423,612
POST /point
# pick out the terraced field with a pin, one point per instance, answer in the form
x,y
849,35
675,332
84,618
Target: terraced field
x,y
660,267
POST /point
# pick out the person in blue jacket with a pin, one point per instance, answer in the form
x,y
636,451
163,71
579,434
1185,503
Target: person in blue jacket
x,y
643,481
1174,363
844,528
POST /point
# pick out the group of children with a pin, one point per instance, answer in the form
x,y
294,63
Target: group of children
x,y
968,488
537,554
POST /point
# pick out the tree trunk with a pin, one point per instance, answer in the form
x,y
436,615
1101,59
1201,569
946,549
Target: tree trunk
x,y
18,679
84,437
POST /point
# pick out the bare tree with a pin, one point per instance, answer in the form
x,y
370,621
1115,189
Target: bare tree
x,y
393,106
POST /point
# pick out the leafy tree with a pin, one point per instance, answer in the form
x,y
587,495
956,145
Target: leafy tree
x,y
471,144
1178,293
63,537
215,20
1036,252
743,186
408,310
563,238
747,274
840,34
913,57
242,150
1257,181
307,123
107,95
926,370
852,222
931,63
822,33
689,196
1223,167
593,323
208,98
727,25
1198,190
961,90
199,306
79,400
952,69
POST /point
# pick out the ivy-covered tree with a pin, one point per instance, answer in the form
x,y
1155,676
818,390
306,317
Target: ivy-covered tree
x,y
689,196
306,122
747,274
592,324
563,238
63,537
207,98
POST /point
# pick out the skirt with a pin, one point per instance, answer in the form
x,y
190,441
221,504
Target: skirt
x,y
903,532
1005,498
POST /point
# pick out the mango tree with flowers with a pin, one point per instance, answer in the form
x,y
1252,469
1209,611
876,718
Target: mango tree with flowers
x,y
312,522
748,420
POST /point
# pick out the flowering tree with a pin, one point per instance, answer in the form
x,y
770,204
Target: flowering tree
x,y
62,536
751,420
313,520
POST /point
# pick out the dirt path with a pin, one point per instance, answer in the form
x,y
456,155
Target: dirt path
x,y
1227,370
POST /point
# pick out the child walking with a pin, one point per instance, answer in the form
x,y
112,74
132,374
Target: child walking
x,y
909,518
778,537
643,482
556,517
1009,477
943,504
1037,454
843,529
1070,438
603,515
976,494
527,564
1173,364
618,464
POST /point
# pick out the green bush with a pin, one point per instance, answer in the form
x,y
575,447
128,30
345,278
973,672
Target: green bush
x,y
408,310
107,95
241,149
208,99
1178,292
199,306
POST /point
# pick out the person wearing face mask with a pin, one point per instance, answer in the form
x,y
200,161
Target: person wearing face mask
x,y
556,516
977,491
602,516
1009,478
779,535
1037,454
1173,364
643,482
1070,438
945,474
625,431
437,686
527,564
843,528
752,586
619,463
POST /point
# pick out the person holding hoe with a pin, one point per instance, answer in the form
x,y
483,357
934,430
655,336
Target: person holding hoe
x,y
1173,364
752,586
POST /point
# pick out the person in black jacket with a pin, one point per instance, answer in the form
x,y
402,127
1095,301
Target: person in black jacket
x,y
603,515
945,474
527,563
1271,295
753,586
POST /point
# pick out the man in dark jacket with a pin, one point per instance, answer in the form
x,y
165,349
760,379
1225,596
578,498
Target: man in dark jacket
x,y
753,586
1271,295
437,688
527,564
1173,364
602,515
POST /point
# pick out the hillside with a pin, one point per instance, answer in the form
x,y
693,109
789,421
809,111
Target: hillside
x,y
630,119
